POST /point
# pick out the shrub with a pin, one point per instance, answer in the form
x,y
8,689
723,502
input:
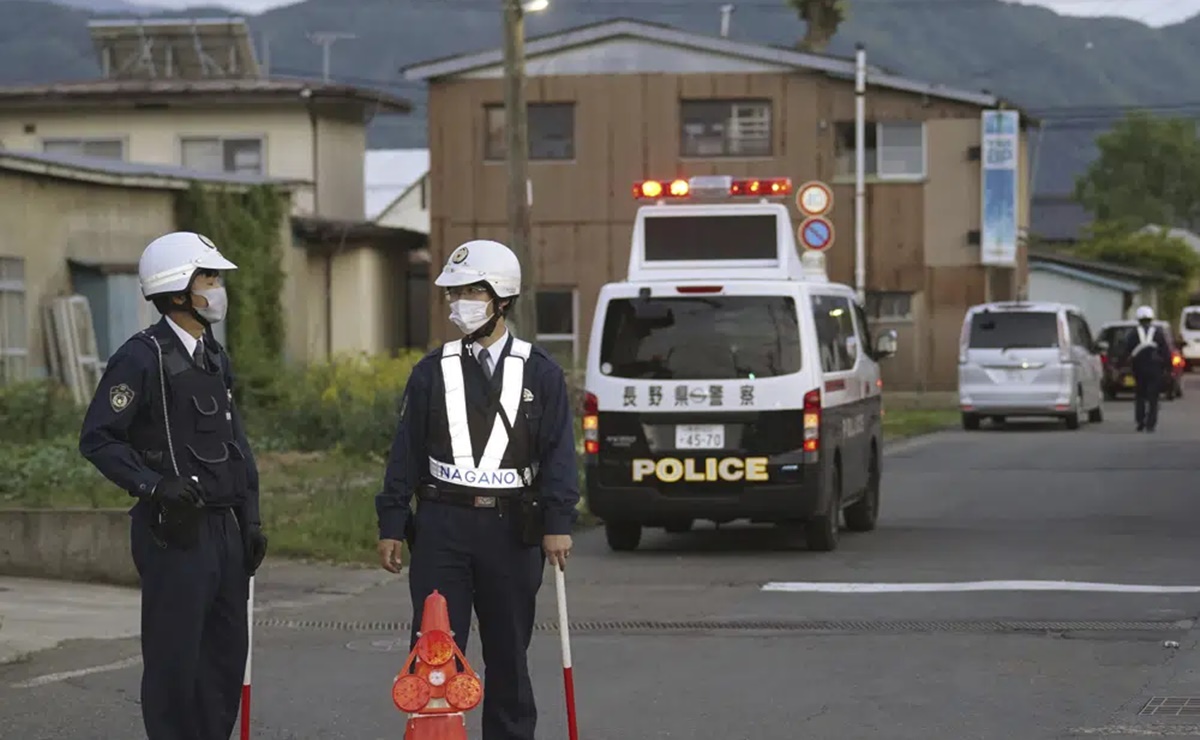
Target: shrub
x,y
51,472
37,410
350,403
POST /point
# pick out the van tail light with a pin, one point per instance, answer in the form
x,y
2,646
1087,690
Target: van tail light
x,y
1064,341
591,424
812,420
963,338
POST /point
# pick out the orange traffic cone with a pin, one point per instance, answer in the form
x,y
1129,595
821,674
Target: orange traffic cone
x,y
436,693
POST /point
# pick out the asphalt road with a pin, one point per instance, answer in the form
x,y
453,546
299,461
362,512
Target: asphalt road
x,y
680,640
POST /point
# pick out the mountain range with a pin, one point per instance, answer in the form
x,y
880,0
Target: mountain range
x,y
1077,74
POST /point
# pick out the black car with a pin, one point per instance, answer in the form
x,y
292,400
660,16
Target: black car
x,y
1118,370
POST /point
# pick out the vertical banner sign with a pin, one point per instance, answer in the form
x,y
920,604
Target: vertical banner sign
x,y
1001,149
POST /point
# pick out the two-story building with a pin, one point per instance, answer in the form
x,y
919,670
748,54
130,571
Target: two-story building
x,y
622,101
191,94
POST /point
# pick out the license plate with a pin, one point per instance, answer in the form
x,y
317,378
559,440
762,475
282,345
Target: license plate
x,y
1128,381
1014,376
699,437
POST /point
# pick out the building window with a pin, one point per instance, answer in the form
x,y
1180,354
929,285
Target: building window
x,y
101,148
551,131
894,150
242,156
558,324
725,128
836,335
14,323
889,306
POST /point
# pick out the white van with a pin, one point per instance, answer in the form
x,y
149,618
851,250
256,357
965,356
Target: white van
x,y
1028,359
728,379
1189,332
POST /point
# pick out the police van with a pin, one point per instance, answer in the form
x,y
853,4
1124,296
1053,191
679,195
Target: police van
x,y
727,378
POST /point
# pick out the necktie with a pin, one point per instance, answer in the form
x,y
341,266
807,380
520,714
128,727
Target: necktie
x,y
485,363
198,356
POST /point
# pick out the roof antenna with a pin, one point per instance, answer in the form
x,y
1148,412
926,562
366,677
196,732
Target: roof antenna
x,y
726,14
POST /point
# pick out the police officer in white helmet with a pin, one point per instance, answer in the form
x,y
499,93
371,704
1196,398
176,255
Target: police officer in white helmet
x,y
486,442
163,426
1150,356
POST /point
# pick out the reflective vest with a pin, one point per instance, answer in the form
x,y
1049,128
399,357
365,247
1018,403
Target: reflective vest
x,y
490,472
1145,339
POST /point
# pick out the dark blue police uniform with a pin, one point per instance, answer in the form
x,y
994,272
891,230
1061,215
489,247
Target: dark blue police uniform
x,y
1150,361
194,586
466,541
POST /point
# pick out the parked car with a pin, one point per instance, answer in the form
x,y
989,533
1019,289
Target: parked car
x,y
1114,340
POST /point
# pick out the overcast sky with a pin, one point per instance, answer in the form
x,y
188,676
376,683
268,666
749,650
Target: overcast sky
x,y
1151,12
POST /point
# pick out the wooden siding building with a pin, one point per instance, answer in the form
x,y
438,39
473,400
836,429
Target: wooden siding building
x,y
622,101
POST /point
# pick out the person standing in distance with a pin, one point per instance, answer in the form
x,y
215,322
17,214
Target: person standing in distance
x,y
486,441
1150,357
163,426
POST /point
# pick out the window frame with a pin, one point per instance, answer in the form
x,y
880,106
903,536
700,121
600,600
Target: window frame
x,y
489,153
875,154
873,314
20,288
221,139
726,140
80,141
573,337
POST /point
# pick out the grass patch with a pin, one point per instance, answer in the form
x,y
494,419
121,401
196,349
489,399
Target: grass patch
x,y
911,422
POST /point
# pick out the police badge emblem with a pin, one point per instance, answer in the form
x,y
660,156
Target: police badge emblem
x,y
207,242
459,256
120,397
527,395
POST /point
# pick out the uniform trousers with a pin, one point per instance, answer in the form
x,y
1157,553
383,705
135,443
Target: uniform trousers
x,y
1146,400
474,557
194,632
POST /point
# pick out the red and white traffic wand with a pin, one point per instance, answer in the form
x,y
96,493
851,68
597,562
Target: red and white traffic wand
x,y
560,587
249,654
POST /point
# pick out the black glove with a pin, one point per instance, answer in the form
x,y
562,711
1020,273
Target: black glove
x,y
179,507
254,546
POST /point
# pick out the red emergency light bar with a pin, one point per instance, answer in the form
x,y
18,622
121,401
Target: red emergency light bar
x,y
679,188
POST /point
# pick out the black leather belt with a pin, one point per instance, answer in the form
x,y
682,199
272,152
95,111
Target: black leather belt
x,y
462,498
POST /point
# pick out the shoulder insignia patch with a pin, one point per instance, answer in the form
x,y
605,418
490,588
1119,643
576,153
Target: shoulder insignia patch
x,y
527,396
120,397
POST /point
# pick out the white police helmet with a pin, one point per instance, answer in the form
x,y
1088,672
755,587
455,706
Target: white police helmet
x,y
169,262
1145,313
483,260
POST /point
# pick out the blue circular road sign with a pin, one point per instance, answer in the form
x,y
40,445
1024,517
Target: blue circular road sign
x,y
816,233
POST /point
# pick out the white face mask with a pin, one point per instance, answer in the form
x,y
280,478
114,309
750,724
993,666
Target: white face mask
x,y
218,304
469,315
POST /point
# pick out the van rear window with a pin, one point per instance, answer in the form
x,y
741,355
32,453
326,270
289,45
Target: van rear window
x,y
1003,329
700,338
1191,320
709,237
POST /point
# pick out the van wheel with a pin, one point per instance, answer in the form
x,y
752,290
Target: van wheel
x,y
862,515
1076,411
1096,415
970,422
678,526
821,531
623,536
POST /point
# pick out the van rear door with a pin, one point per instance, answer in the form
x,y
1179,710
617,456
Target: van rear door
x,y
1014,349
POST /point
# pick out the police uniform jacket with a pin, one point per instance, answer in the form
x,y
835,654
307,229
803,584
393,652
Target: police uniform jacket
x,y
1148,350
542,439
124,431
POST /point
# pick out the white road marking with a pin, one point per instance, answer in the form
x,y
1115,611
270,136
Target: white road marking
x,y
1140,730
67,675
890,588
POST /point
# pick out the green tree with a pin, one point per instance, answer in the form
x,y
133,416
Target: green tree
x,y
1116,243
1148,172
822,18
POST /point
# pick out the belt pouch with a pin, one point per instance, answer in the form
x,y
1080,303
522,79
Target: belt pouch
x,y
532,519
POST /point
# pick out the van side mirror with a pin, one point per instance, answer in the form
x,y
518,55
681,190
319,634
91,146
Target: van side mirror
x,y
886,344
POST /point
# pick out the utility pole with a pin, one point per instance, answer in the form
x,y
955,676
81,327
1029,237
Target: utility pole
x,y
326,40
524,314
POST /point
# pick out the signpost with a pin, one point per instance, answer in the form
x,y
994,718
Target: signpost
x,y
816,233
814,199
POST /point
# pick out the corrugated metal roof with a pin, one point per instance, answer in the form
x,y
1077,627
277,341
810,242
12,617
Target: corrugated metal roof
x,y
122,168
387,173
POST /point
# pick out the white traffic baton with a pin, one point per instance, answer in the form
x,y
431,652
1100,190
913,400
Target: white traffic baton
x,y
560,587
249,654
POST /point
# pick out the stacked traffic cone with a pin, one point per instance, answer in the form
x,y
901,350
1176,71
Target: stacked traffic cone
x,y
436,694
